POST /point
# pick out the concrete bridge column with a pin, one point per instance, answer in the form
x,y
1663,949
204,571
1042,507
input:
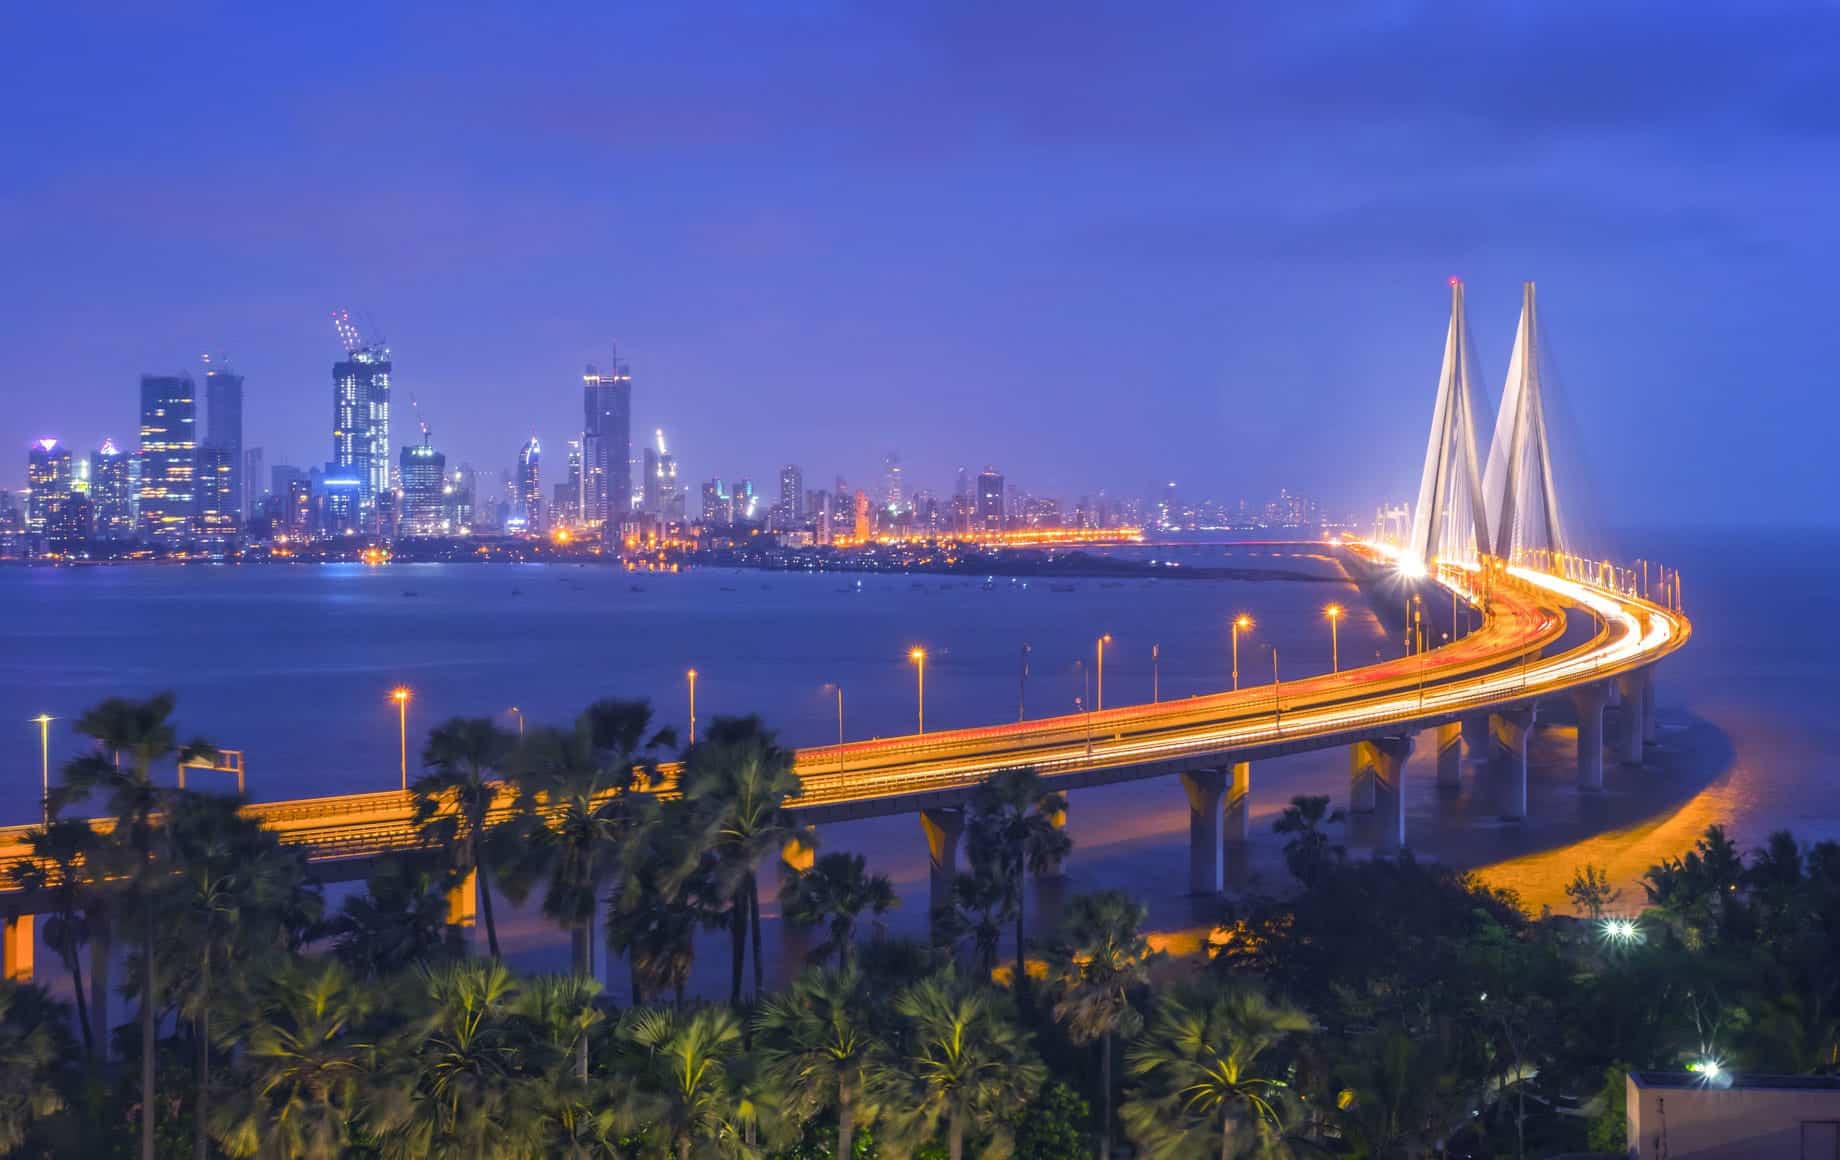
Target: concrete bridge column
x,y
1057,819
1589,701
1236,819
463,901
1512,728
1204,788
16,949
1629,738
1384,760
943,828
1360,778
1476,742
1651,732
1449,741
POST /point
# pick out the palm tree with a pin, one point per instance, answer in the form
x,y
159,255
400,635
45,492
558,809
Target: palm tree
x,y
453,803
1011,821
981,903
397,921
967,1064
576,808
681,1076
28,1061
1105,959
142,731
1199,1079
302,1068
664,890
837,889
820,1050
739,782
58,878
229,894
1310,850
463,1072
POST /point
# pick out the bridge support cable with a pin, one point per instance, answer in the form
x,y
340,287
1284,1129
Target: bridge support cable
x,y
1523,504
1450,520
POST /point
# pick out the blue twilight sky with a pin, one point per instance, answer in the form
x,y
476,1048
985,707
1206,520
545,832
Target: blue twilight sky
x,y
1097,245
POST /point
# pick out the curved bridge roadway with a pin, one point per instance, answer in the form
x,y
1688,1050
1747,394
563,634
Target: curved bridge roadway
x,y
1478,693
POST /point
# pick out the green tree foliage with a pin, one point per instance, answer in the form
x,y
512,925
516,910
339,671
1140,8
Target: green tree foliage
x,y
835,892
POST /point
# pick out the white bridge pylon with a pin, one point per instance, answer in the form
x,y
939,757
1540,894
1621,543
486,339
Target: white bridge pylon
x,y
1510,505
1523,503
1451,519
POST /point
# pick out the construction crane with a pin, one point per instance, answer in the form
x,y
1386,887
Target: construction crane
x,y
416,407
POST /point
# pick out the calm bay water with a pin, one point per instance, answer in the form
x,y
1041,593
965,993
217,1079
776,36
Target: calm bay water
x,y
293,665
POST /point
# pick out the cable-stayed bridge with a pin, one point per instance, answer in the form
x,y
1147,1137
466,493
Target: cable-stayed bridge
x,y
1486,534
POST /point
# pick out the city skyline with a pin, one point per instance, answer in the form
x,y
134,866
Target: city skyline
x,y
1213,259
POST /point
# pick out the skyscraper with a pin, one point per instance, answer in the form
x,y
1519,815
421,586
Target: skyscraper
x,y
254,480
216,476
990,500
424,503
792,492
169,457
530,486
894,496
48,475
112,491
606,449
361,420
223,426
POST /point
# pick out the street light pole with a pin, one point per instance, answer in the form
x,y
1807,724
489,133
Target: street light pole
x,y
1277,690
1239,622
1022,683
44,761
1156,673
520,717
1100,700
839,728
690,676
1334,612
918,656
400,694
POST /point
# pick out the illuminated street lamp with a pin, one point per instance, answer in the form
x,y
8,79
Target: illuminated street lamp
x,y
690,676
1022,683
44,721
1156,673
918,656
400,694
1241,623
1334,613
520,716
1099,700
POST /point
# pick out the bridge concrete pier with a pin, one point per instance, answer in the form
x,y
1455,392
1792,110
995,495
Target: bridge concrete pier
x,y
1382,763
1476,743
1651,732
17,944
1588,702
1205,788
1632,728
1449,741
1057,819
1361,796
463,901
944,829
1512,728
1236,818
